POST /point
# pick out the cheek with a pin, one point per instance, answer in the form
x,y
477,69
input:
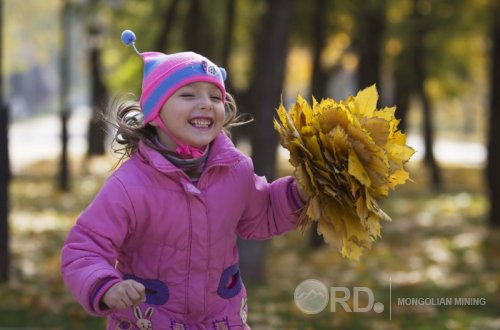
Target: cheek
x,y
221,114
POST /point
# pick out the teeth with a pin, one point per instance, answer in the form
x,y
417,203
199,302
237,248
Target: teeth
x,y
201,123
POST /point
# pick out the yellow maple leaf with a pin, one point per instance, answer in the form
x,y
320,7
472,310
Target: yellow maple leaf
x,y
366,101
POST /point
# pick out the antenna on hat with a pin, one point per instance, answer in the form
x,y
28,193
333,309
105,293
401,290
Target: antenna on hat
x,y
128,38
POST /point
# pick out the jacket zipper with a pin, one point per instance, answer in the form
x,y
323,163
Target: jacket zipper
x,y
190,243
190,237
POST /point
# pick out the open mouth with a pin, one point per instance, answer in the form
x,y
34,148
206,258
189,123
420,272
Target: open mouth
x,y
201,122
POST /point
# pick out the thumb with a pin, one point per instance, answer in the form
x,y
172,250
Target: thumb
x,y
140,288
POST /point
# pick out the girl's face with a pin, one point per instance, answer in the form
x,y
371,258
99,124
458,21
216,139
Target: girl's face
x,y
194,114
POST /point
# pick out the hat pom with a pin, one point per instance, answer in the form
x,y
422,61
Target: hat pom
x,y
128,37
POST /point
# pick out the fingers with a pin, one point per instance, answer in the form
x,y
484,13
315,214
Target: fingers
x,y
125,294
136,292
141,291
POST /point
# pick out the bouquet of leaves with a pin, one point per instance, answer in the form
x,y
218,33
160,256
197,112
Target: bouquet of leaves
x,y
345,155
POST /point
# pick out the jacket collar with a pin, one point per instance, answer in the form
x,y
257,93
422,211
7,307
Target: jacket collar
x,y
222,152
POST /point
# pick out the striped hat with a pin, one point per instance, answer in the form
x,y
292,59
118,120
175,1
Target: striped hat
x,y
166,73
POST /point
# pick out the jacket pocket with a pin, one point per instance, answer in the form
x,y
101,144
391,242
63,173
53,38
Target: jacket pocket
x,y
230,282
157,292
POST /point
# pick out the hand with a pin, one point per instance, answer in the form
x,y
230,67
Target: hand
x,y
124,294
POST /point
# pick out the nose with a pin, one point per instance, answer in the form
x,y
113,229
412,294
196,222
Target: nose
x,y
205,102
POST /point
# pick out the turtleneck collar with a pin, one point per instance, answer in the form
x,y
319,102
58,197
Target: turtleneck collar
x,y
193,167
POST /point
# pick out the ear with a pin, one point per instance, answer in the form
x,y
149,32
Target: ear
x,y
149,312
137,312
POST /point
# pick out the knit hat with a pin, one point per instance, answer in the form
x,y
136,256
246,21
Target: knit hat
x,y
164,74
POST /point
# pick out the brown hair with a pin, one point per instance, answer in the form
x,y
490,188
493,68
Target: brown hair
x,y
125,116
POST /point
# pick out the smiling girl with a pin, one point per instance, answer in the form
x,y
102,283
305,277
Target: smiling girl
x,y
156,248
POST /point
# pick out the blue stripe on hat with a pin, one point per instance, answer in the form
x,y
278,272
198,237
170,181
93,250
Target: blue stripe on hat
x,y
160,90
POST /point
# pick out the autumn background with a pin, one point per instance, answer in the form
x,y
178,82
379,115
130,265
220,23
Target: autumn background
x,y
438,61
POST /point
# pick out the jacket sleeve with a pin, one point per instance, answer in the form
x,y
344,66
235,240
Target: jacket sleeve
x,y
90,251
271,209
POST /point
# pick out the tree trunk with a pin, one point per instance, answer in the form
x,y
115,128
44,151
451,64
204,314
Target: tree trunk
x,y
63,180
493,165
4,171
168,22
4,187
227,45
320,27
192,28
267,84
404,76
228,32
403,92
99,96
228,38
429,158
420,75
369,37
264,97
318,80
199,32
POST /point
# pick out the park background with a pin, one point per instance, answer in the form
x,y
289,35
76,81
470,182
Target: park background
x,y
436,60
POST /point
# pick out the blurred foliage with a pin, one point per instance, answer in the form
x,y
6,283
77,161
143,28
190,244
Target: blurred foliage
x,y
457,35
124,67
436,246
456,44
456,38
24,46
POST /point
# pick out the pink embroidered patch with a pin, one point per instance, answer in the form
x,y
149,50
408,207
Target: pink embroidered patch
x,y
221,324
177,326
124,325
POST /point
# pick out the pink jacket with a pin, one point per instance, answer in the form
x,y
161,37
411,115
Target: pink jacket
x,y
151,224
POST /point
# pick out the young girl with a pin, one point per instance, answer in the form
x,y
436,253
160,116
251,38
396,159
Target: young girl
x,y
156,249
